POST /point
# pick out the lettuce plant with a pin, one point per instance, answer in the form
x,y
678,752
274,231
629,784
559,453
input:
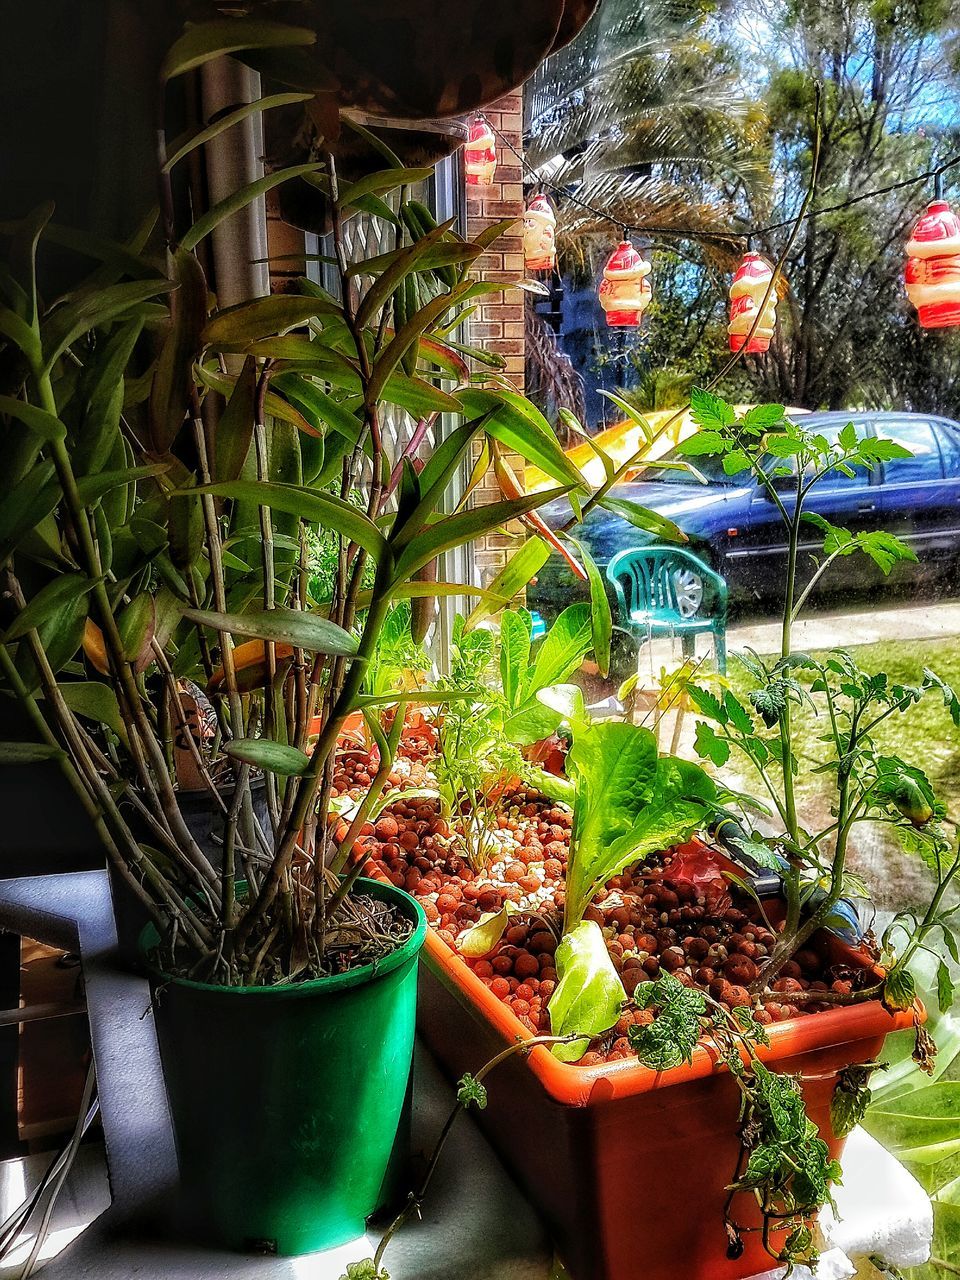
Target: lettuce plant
x,y
628,802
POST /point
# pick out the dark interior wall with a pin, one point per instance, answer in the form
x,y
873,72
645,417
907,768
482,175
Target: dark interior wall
x,y
77,107
77,102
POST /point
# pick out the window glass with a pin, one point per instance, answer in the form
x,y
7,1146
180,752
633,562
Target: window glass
x,y
949,439
918,437
835,479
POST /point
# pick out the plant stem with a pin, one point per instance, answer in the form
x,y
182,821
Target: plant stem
x,y
415,1198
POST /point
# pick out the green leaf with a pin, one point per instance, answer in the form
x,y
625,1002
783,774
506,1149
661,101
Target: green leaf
x,y
764,416
273,757
225,122
264,317
379,183
702,443
709,746
95,310
601,617
234,430
205,41
561,651
945,988
96,701
588,994
709,411
322,409
48,601
46,425
514,654
173,383
630,802
27,752
899,989
239,199
17,331
92,488
136,625
634,415
283,626
470,1090
643,518
883,450
736,461
523,565
453,531
671,1038
519,426
310,505
403,262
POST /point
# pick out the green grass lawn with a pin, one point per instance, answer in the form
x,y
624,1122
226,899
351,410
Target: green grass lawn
x,y
924,735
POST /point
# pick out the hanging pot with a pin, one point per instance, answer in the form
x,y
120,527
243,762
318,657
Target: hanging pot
x,y
405,70
410,62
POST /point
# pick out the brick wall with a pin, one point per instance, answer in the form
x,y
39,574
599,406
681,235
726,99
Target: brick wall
x,y
497,325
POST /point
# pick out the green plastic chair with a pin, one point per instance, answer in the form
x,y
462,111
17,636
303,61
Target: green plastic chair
x,y
670,591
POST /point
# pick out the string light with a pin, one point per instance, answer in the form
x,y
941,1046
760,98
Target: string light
x,y
539,235
932,273
625,291
480,153
747,294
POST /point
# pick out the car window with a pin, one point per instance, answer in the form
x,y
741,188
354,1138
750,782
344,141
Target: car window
x,y
949,438
835,479
918,437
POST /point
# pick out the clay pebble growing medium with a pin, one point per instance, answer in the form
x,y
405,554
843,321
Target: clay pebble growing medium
x,y
651,923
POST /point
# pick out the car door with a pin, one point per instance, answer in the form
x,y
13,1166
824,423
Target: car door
x,y
851,502
917,505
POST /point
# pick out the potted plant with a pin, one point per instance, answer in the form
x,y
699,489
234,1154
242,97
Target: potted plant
x,y
168,462
725,1005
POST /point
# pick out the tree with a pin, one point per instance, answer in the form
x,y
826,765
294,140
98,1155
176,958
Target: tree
x,y
888,70
644,117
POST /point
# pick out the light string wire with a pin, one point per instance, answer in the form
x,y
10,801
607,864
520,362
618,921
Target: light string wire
x,y
745,235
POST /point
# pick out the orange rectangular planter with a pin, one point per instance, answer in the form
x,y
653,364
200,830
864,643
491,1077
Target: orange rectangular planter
x,y
629,1167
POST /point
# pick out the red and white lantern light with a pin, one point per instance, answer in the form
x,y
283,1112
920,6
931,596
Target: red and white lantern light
x,y
539,235
480,154
747,292
932,274
625,290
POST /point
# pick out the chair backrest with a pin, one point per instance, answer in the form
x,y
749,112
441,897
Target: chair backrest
x,y
645,579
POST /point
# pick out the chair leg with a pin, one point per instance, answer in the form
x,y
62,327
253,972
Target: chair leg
x,y
720,650
688,645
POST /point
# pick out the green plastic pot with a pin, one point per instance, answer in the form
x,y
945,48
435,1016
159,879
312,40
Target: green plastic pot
x,y
286,1101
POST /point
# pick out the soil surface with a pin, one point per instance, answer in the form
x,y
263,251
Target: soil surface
x,y
673,914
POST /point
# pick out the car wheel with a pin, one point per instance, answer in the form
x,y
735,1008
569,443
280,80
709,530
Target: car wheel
x,y
689,586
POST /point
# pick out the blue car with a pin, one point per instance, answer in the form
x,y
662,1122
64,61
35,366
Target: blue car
x,y
734,526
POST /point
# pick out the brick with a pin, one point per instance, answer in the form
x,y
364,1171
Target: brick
x,y
487,329
489,262
501,209
506,346
510,329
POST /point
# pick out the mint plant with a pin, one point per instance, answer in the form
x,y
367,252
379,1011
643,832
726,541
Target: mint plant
x,y
783,1165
